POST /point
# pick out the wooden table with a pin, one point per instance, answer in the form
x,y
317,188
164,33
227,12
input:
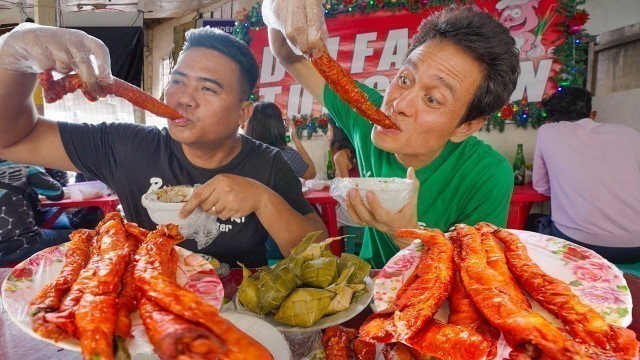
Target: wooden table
x,y
17,345
522,199
106,203
325,206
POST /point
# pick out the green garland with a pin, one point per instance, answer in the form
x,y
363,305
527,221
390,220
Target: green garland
x,y
311,124
571,53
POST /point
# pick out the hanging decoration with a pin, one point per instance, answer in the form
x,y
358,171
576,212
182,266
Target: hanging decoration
x,y
570,53
252,18
311,124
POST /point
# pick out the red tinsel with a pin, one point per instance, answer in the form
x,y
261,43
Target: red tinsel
x,y
580,18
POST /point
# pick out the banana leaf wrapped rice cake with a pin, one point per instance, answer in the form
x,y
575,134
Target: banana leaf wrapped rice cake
x,y
306,286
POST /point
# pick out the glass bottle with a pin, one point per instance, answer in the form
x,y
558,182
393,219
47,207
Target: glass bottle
x,y
519,167
331,172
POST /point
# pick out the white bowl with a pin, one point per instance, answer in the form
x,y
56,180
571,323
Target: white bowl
x,y
163,205
392,193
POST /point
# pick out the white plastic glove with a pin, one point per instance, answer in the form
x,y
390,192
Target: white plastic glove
x,y
35,48
301,22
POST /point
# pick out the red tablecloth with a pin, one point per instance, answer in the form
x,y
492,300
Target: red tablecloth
x,y
106,203
521,201
325,205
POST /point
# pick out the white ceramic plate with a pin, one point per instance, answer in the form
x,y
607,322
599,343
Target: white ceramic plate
x,y
597,282
262,331
28,277
338,318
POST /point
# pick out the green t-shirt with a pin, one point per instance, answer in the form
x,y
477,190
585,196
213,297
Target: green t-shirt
x,y
467,183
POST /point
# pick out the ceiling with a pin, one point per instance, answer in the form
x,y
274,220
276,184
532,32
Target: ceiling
x,y
153,9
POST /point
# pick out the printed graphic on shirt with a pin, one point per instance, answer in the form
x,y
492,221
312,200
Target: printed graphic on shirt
x,y
11,174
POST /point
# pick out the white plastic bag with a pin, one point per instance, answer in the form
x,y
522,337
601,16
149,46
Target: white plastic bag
x,y
302,22
164,206
392,193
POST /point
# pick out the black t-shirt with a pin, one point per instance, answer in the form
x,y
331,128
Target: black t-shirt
x,y
134,159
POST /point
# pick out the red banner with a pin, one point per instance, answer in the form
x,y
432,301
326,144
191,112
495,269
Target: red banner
x,y
371,47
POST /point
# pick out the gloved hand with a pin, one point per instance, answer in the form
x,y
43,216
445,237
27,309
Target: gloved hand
x,y
301,22
34,48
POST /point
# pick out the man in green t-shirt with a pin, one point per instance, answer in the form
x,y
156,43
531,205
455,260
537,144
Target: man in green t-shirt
x,y
460,67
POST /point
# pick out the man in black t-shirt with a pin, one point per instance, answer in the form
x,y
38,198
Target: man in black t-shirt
x,y
247,184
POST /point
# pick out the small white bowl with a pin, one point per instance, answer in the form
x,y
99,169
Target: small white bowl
x,y
163,205
392,193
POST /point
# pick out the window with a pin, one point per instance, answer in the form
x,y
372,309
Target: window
x,y
76,108
166,66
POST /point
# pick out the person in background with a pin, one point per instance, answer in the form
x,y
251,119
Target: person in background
x,y
20,235
267,126
87,217
248,185
60,176
345,164
344,155
82,177
460,67
63,221
591,171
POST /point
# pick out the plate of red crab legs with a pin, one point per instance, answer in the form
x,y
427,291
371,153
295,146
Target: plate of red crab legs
x,y
482,292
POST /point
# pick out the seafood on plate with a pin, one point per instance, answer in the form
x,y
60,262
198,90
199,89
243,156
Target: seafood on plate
x,y
420,296
170,296
584,323
117,269
485,287
340,343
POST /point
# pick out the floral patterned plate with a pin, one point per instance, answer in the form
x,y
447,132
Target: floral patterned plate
x,y
28,277
596,281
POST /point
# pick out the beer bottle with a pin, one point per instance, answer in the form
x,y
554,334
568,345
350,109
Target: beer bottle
x,y
519,167
331,172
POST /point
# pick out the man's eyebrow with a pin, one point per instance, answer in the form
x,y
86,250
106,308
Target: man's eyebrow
x,y
446,83
212,81
200,78
410,63
179,73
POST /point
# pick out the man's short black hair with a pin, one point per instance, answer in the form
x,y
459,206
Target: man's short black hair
x,y
488,42
230,47
568,104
